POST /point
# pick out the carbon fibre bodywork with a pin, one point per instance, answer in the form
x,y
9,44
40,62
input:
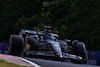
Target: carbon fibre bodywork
x,y
46,43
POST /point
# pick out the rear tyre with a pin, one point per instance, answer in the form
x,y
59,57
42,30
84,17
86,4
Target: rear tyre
x,y
32,45
80,50
15,45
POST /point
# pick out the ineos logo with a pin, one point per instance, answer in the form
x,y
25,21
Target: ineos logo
x,y
92,54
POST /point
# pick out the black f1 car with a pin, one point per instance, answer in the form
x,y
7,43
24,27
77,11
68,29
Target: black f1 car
x,y
46,43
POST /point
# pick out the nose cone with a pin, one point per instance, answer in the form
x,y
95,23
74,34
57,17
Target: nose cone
x,y
56,48
59,55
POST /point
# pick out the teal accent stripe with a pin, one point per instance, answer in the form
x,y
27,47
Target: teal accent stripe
x,y
32,52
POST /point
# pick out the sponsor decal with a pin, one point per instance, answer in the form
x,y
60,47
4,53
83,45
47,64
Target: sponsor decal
x,y
92,54
56,45
91,59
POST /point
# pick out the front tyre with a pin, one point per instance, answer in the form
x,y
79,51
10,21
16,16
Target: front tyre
x,y
80,50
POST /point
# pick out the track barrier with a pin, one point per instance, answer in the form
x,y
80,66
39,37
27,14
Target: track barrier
x,y
3,48
93,57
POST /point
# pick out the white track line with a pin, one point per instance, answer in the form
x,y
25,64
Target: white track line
x,y
32,63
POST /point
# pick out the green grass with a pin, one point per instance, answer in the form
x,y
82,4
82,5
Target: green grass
x,y
6,64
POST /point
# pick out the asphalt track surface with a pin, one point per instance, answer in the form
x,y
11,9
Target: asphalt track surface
x,y
50,63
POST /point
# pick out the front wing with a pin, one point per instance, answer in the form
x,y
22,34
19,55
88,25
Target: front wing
x,y
52,54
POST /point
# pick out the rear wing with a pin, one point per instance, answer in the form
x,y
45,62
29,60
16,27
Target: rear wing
x,y
23,31
47,27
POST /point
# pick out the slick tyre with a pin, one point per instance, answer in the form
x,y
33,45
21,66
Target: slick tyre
x,y
80,50
15,45
33,43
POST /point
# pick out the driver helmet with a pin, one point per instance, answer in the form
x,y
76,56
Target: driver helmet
x,y
47,37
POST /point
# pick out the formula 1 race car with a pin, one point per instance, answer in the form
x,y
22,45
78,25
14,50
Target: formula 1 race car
x,y
46,43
